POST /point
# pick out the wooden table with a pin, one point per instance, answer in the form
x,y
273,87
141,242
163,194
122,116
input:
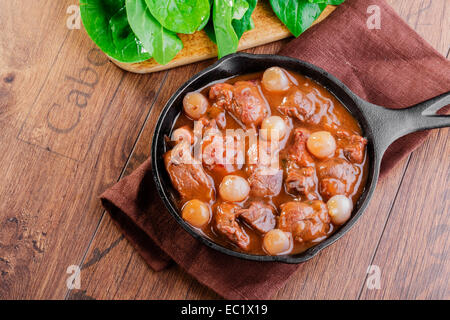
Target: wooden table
x,y
57,157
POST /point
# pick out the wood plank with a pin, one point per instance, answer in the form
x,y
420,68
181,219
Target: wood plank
x,y
130,276
315,279
413,254
49,209
24,63
56,122
198,47
430,19
24,66
51,200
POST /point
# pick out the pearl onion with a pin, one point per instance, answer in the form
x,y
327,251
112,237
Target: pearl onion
x,y
195,105
340,209
275,79
321,144
196,213
277,242
234,188
273,127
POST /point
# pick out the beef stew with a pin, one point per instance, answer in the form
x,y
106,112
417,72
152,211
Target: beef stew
x,y
267,163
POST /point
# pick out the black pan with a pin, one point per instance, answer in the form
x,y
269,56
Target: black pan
x,y
380,126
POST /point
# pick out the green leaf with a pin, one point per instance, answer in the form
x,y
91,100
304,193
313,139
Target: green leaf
x,y
165,49
297,15
209,29
226,38
181,16
106,23
239,9
246,22
162,44
240,26
332,2
207,20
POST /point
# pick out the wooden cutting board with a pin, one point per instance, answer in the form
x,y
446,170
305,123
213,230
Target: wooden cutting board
x,y
198,47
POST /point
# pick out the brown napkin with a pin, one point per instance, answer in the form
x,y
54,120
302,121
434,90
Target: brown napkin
x,y
391,66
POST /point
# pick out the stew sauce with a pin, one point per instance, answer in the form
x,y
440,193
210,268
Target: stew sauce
x,y
322,156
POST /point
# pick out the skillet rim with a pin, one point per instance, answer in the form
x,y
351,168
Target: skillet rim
x,y
372,178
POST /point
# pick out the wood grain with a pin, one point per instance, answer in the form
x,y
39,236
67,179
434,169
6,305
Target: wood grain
x,y
198,47
128,268
49,209
176,283
413,253
314,279
21,78
50,215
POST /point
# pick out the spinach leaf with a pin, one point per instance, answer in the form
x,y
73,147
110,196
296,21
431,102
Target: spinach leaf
x,y
241,22
332,2
209,29
207,21
162,44
181,16
106,23
165,48
226,38
246,22
239,9
297,15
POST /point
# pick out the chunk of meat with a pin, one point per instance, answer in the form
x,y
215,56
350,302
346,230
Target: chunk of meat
x,y
187,174
223,153
243,100
309,106
222,94
297,105
337,176
302,181
250,108
297,151
307,221
265,182
227,225
259,216
353,146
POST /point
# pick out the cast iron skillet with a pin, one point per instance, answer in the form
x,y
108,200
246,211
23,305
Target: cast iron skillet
x,y
380,126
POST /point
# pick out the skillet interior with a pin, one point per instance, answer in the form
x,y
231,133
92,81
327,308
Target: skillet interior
x,y
238,64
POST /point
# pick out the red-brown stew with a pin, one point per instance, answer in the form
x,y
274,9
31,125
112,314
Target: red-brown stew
x,y
282,183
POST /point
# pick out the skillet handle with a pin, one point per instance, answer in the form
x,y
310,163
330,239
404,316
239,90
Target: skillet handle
x,y
425,113
390,124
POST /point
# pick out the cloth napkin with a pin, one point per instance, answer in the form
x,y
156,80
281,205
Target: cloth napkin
x,y
391,66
